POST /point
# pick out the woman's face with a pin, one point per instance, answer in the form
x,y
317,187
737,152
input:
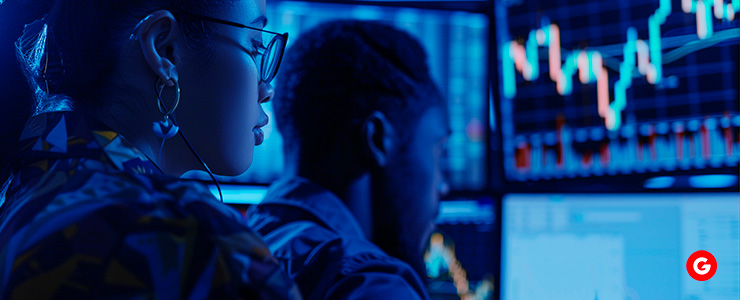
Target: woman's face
x,y
220,109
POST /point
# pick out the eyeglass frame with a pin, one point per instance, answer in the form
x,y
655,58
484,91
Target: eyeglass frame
x,y
282,36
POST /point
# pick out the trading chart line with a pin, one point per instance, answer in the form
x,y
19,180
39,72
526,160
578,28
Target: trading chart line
x,y
647,57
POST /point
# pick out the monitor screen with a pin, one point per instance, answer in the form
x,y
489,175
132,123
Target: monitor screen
x,y
618,246
457,46
592,88
458,259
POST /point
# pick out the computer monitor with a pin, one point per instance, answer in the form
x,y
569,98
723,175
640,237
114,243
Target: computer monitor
x,y
618,246
457,46
607,88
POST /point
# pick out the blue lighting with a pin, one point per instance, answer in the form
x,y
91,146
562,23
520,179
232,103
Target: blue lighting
x,y
617,246
662,182
241,194
465,211
712,181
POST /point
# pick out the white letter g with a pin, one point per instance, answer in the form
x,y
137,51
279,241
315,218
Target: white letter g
x,y
704,268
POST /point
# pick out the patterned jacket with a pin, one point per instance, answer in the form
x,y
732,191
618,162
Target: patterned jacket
x,y
88,216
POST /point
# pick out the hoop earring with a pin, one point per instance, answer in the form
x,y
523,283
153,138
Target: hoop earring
x,y
166,128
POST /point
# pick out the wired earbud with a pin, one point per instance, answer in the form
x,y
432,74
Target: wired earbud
x,y
167,128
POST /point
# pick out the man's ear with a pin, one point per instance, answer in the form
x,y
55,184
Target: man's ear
x,y
157,35
378,138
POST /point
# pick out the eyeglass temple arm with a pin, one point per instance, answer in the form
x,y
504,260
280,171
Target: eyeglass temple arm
x,y
225,22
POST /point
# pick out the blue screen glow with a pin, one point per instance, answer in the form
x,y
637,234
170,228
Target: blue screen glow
x,y
618,246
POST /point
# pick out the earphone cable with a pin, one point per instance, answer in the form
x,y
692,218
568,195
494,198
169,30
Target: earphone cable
x,y
202,162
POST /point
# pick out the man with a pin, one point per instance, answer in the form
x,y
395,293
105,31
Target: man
x,y
364,127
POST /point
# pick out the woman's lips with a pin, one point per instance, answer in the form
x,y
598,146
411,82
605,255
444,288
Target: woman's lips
x,y
259,136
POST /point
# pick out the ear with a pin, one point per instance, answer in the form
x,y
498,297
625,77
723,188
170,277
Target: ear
x,y
157,35
378,138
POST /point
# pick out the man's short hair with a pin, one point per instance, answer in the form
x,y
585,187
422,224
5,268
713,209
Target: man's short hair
x,y
337,73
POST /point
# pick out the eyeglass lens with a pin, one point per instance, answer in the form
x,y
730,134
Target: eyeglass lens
x,y
271,57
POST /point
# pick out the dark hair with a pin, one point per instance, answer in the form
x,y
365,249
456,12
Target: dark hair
x,y
83,41
336,74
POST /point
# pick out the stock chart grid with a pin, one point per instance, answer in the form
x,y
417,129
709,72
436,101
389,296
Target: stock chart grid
x,y
617,87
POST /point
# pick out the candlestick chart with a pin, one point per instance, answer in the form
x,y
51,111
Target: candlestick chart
x,y
617,87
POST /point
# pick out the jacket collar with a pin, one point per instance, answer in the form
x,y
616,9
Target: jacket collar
x,y
53,136
301,193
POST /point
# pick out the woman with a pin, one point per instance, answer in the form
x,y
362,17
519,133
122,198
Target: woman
x,y
129,95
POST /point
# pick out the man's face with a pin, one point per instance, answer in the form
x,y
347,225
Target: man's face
x,y
411,190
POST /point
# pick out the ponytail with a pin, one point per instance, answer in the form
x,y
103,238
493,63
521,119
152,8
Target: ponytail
x,y
16,98
69,48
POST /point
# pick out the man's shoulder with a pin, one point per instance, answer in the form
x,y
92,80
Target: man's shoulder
x,y
355,268
296,234
327,264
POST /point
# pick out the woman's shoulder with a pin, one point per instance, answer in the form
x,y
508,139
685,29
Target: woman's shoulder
x,y
135,228
120,199
147,195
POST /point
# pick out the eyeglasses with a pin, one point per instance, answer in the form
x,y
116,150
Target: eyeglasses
x,y
272,54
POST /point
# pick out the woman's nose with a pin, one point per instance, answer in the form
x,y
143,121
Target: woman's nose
x,y
266,92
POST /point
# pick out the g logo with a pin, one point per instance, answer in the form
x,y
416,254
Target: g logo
x,y
701,265
704,269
